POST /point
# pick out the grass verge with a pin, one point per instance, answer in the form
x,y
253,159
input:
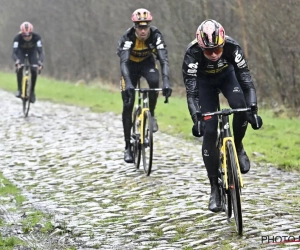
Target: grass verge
x,y
276,142
27,222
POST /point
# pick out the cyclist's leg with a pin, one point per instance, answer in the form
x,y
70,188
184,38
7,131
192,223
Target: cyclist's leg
x,y
127,114
150,73
20,73
235,96
33,68
208,101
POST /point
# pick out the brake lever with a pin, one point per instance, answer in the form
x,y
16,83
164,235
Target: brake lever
x,y
166,100
256,121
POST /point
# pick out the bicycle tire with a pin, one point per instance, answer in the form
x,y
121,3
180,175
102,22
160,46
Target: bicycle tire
x,y
135,138
234,186
225,196
147,146
26,99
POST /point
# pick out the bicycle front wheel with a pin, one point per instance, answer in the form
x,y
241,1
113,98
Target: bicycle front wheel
x,y
234,187
135,137
147,145
225,195
26,98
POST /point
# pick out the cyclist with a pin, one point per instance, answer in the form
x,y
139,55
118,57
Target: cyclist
x,y
214,62
138,50
27,42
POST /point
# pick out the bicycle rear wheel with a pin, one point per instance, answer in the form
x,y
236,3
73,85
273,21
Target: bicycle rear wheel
x,y
147,146
234,187
26,99
135,138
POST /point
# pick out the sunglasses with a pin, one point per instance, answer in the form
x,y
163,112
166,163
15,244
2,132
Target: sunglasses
x,y
26,35
142,27
209,52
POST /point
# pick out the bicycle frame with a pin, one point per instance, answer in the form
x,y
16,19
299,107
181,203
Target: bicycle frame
x,y
25,77
225,135
145,108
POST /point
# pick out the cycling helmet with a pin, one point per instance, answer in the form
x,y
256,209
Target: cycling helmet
x,y
26,28
141,16
210,34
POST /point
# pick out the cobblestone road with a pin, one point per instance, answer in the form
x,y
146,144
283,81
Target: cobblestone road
x,y
68,162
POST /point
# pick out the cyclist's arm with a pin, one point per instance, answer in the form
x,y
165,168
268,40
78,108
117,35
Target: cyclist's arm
x,y
189,71
124,49
242,72
39,47
15,49
162,55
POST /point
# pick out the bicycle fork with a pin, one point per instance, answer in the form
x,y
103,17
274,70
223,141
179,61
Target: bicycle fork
x,y
140,124
226,135
24,83
224,161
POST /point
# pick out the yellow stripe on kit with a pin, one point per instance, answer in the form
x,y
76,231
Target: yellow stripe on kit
x,y
122,85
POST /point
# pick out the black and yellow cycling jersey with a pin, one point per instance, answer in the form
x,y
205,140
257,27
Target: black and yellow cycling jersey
x,y
196,65
20,46
140,50
133,50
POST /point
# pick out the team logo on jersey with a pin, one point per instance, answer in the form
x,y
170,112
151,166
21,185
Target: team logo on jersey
x,y
158,41
127,45
193,65
236,89
240,61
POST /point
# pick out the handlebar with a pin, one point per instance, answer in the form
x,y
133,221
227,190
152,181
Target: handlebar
x,y
226,112
22,65
146,90
223,112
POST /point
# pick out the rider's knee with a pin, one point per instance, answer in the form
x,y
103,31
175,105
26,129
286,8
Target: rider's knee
x,y
33,70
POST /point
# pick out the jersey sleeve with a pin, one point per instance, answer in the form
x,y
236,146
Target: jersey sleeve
x,y
162,55
15,48
39,46
189,71
243,74
124,48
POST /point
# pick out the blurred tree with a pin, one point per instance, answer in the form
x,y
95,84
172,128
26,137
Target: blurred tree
x,y
80,37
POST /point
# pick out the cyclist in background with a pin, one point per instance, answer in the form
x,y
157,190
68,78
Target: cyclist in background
x,y
214,62
27,42
138,50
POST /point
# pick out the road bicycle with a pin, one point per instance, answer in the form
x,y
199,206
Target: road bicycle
x,y
26,86
230,178
26,90
142,130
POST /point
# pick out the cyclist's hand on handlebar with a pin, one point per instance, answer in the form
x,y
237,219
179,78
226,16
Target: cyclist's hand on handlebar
x,y
255,120
17,64
254,108
198,128
41,66
166,90
129,90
